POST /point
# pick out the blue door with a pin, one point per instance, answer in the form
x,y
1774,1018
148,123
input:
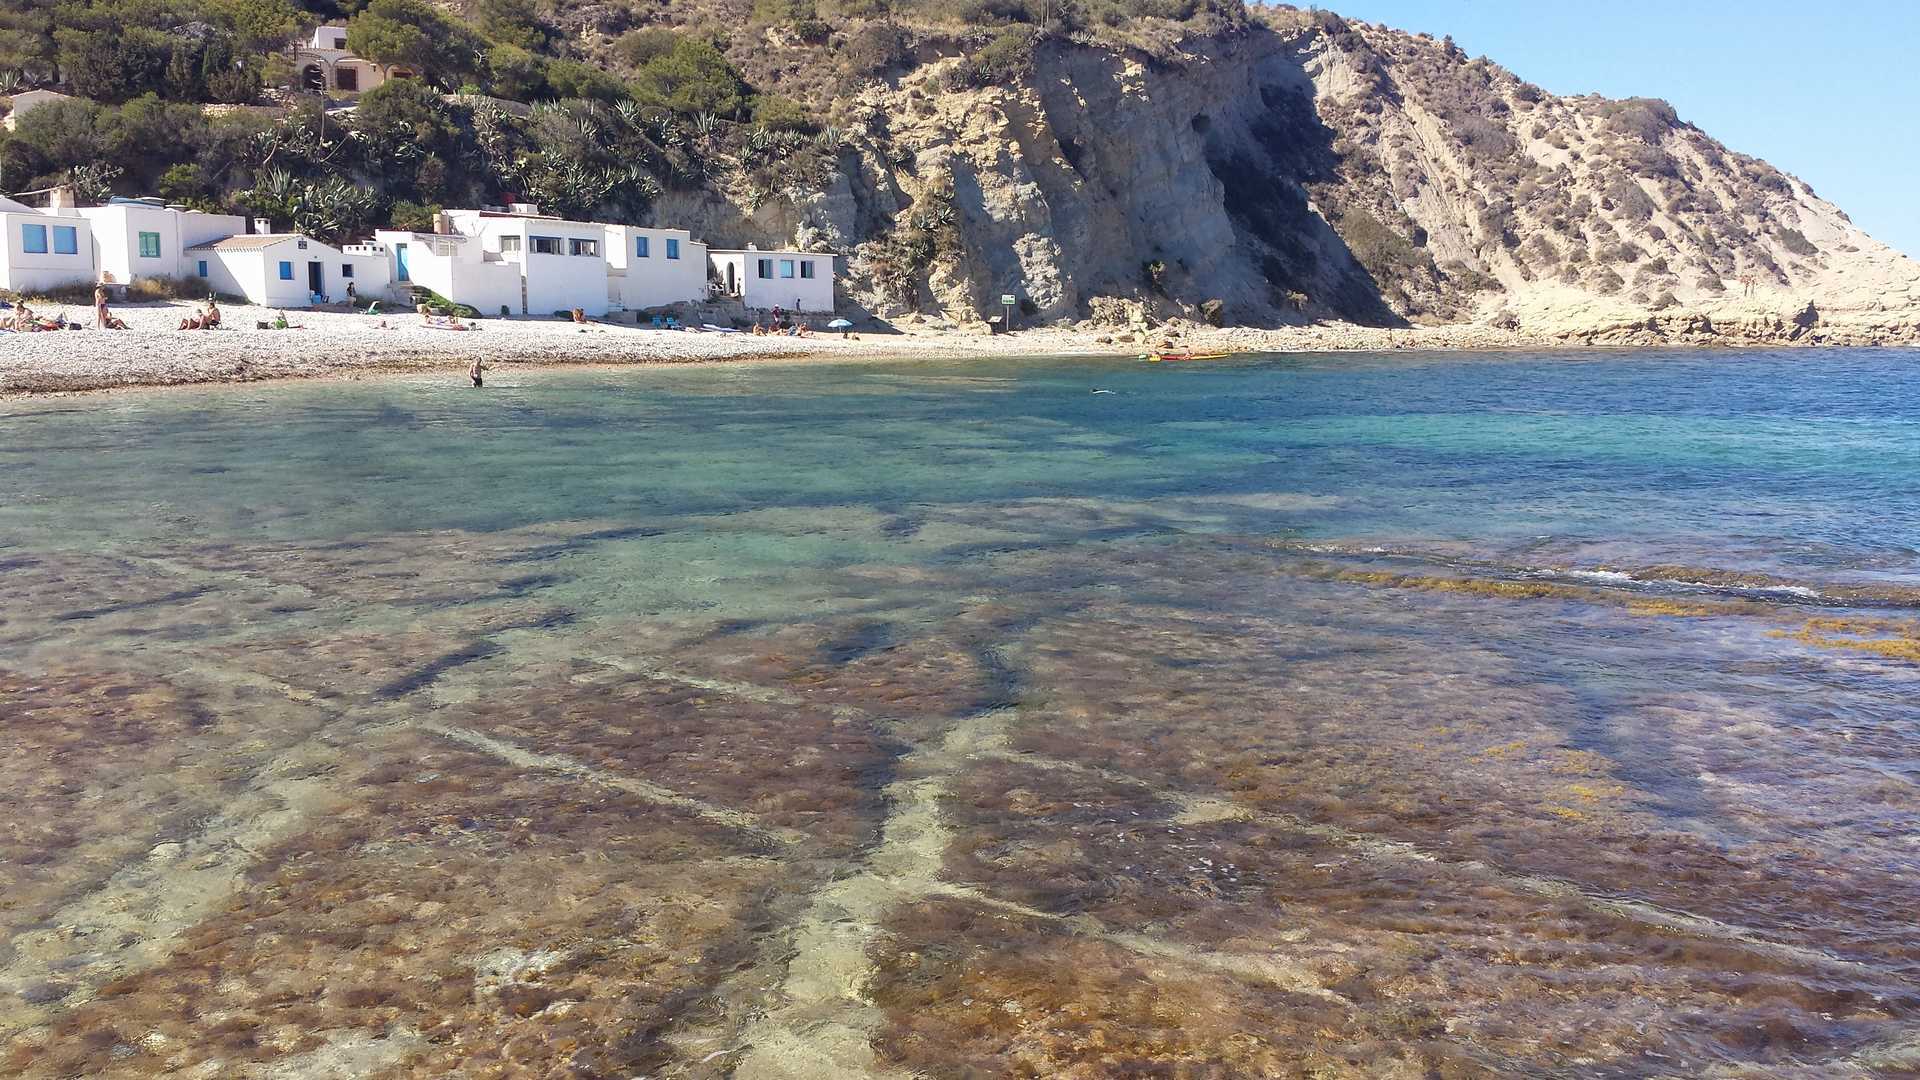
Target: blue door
x,y
400,262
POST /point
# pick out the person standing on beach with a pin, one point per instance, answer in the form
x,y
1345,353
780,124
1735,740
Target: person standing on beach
x,y
474,373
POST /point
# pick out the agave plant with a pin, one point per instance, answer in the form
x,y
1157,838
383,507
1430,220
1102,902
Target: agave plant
x,y
706,125
11,82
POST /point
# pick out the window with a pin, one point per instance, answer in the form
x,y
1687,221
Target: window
x,y
66,240
301,244
149,245
583,247
765,268
806,269
347,79
639,247
33,239
509,244
400,262
673,248
286,271
201,267
545,245
340,43
346,270
786,268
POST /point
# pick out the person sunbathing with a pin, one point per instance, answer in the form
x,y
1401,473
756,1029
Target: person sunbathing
x,y
211,318
23,320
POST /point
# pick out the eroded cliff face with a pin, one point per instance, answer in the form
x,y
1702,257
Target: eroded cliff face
x,y
1313,169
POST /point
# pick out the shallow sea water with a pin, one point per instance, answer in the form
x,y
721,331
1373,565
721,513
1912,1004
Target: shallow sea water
x,y
1399,716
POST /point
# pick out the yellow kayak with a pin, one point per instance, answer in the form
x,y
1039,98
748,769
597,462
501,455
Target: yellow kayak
x,y
1164,357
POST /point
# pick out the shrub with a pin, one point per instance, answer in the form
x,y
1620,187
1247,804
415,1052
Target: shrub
x,y
875,48
690,77
1007,58
1795,241
165,287
776,113
1646,119
1386,255
411,216
572,79
417,35
1606,282
1628,199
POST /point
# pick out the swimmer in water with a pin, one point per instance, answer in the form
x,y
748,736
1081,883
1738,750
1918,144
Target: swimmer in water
x,y
474,373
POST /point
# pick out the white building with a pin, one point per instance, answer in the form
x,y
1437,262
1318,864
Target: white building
x,y
143,238
559,264
649,268
44,248
794,280
26,101
324,66
286,270
457,267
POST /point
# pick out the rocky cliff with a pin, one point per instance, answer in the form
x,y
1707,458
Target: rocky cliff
x,y
1301,167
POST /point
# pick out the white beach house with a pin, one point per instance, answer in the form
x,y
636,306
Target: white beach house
x,y
45,247
457,267
287,270
324,66
555,265
794,280
653,267
144,238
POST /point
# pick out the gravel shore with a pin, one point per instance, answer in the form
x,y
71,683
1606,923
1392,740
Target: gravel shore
x,y
336,344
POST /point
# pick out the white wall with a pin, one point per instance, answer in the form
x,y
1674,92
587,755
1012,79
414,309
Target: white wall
x,y
372,271
22,271
228,277
255,273
640,283
456,267
116,236
553,283
794,293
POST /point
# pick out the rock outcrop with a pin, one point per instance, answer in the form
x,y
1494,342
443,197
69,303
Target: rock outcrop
x,y
1306,168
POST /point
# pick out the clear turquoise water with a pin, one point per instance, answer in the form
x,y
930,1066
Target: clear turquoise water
x,y
1271,582
1801,459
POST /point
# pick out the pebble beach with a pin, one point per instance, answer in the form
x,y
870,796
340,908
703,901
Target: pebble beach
x,y
341,344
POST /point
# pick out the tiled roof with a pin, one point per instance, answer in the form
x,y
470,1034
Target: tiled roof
x,y
248,242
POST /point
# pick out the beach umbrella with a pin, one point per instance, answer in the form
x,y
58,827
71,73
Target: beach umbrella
x,y
839,324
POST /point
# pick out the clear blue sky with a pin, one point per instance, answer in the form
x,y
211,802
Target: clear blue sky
x,y
1829,92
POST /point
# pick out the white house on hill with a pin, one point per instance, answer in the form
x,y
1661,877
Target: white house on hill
x,y
26,101
287,270
794,280
324,66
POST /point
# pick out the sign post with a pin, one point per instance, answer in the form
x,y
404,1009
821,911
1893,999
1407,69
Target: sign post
x,y
1006,301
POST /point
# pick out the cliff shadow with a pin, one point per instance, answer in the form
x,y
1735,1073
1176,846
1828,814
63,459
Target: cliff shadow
x,y
1264,157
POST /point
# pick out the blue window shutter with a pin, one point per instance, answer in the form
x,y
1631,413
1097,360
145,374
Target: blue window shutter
x,y
639,247
33,239
66,240
286,270
203,267
673,248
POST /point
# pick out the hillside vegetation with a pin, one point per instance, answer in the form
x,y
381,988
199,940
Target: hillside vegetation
x,y
1101,158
